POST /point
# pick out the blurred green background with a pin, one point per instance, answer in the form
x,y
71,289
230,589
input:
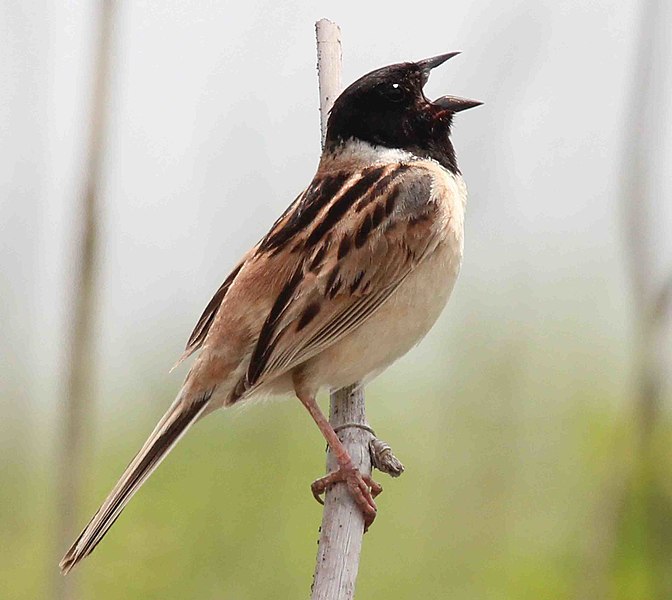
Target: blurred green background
x,y
521,482
533,421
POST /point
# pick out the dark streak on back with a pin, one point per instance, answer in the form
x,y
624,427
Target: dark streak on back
x,y
363,231
308,315
340,206
344,247
207,318
381,186
356,281
333,283
303,211
318,257
265,342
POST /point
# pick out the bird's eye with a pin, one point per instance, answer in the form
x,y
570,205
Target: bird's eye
x,y
393,92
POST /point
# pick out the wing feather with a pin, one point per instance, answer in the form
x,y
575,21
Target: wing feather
x,y
363,259
328,263
206,320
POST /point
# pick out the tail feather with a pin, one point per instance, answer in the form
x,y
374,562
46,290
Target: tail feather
x,y
174,424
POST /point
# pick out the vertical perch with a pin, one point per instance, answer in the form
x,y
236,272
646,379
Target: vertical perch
x,y
329,66
342,527
342,522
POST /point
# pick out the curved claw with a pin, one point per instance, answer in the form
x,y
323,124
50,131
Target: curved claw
x,y
362,488
317,491
375,487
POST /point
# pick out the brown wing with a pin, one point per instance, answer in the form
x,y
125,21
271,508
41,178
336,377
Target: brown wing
x,y
202,328
291,225
345,262
328,263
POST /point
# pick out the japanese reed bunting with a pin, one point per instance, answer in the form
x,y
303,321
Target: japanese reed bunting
x,y
348,279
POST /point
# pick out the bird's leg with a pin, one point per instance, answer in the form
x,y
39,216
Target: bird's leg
x,y
362,487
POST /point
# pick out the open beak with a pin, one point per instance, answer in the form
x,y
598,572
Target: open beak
x,y
455,104
431,63
450,103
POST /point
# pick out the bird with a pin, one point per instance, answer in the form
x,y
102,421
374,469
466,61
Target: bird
x,y
348,279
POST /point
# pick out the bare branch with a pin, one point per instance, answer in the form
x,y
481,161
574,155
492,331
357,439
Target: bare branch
x,y
342,521
342,528
329,62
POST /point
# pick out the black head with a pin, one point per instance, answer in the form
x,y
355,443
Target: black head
x,y
387,107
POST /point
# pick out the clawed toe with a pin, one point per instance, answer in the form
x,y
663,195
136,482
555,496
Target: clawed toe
x,y
318,487
374,486
362,488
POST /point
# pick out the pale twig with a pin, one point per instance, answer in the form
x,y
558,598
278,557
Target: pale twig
x,y
329,66
342,528
342,521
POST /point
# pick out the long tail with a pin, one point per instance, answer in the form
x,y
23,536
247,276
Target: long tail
x,y
172,426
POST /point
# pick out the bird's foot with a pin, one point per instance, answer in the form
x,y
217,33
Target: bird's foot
x,y
362,488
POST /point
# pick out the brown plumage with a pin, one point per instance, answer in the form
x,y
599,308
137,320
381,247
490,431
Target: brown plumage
x,y
348,279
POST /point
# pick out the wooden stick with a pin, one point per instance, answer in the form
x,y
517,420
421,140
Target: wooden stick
x,y
342,521
329,66
342,527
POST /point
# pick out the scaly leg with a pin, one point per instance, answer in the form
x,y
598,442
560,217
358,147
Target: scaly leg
x,y
362,487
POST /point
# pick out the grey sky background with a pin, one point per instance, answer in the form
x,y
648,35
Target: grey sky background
x,y
214,129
